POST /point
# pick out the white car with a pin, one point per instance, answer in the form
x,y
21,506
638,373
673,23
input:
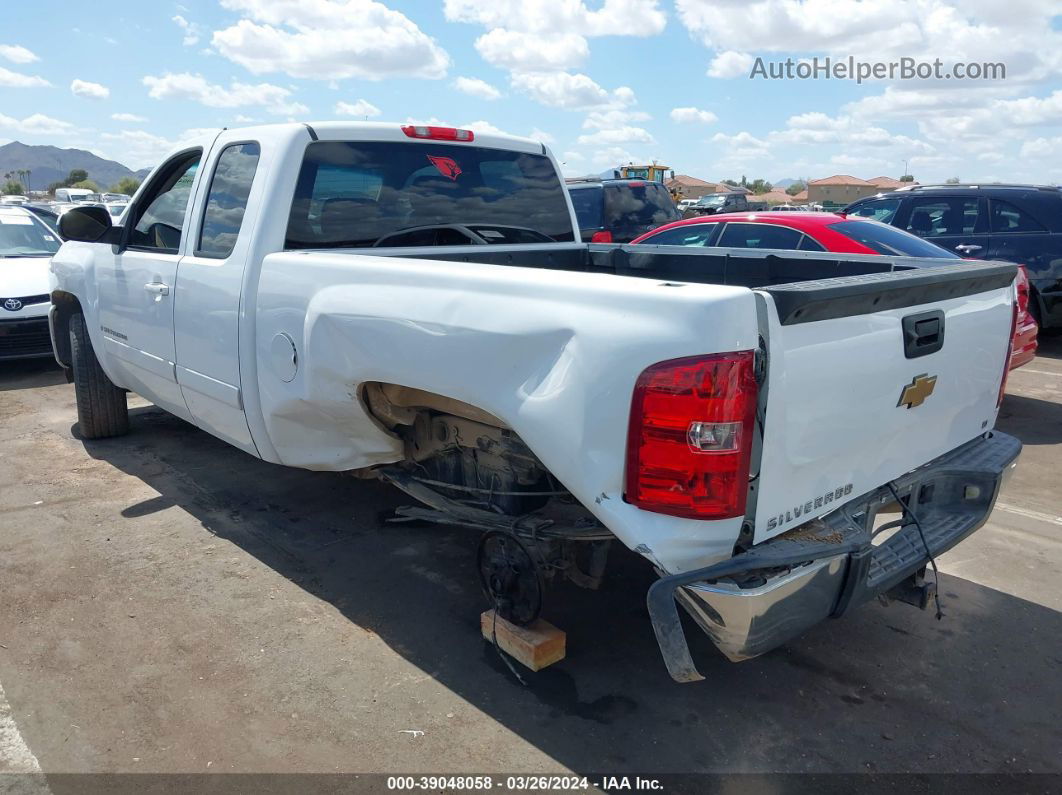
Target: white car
x,y
13,198
26,248
413,303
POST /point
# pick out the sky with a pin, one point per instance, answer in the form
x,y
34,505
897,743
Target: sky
x,y
602,82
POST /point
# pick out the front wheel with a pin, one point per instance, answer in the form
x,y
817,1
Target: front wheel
x,y
101,406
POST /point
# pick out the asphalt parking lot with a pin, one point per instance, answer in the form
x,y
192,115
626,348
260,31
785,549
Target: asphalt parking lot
x,y
170,604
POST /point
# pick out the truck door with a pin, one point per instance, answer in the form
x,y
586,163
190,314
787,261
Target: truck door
x,y
136,284
209,290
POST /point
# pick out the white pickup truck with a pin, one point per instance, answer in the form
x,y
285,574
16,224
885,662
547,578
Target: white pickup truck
x,y
414,303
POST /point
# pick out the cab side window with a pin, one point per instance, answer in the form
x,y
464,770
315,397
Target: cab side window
x,y
1008,218
759,236
157,222
689,235
227,199
880,210
949,216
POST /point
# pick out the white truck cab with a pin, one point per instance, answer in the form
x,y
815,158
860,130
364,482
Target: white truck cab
x,y
414,303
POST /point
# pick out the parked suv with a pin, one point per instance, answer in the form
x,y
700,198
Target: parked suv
x,y
619,210
1015,223
729,202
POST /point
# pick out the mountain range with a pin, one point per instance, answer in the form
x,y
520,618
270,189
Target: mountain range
x,y
49,164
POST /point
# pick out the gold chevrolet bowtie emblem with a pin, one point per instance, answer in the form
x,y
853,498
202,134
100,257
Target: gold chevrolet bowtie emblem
x,y
916,392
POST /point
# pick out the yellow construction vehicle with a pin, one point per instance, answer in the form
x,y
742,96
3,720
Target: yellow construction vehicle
x,y
651,173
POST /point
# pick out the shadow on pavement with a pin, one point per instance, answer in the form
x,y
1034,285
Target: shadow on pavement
x,y
1032,420
30,373
884,689
1049,344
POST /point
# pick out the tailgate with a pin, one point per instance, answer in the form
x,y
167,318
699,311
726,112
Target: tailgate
x,y
852,401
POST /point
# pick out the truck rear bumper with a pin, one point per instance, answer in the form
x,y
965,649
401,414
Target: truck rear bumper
x,y
756,601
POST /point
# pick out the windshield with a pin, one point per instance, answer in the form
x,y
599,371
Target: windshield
x,y
352,194
715,200
24,236
890,240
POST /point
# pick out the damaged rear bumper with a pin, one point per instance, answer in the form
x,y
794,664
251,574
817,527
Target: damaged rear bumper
x,y
829,565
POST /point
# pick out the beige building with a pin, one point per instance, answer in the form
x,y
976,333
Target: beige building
x,y
689,187
840,189
844,189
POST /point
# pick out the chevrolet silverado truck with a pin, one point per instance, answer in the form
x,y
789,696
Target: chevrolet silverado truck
x,y
781,435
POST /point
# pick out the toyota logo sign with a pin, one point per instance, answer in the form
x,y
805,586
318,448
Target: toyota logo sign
x,y
12,304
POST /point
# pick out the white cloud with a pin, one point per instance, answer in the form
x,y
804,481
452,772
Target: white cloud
x,y
360,108
540,35
569,91
128,117
83,88
618,135
541,135
475,87
37,124
484,127
517,50
1041,147
1019,33
239,118
329,39
16,53
693,116
9,79
135,148
731,64
274,99
613,18
191,30
613,117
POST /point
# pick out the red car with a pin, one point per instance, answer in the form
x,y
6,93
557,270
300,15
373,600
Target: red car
x,y
812,231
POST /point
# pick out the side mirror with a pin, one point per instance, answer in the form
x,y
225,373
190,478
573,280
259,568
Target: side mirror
x,y
86,224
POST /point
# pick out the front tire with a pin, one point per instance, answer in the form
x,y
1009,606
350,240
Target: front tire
x,y
101,406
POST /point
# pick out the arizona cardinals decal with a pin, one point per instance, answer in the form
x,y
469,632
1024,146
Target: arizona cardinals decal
x,y
446,165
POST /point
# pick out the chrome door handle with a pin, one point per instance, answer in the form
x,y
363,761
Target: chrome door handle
x,y
157,288
968,248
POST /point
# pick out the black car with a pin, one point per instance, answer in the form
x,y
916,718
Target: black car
x,y
1016,223
619,210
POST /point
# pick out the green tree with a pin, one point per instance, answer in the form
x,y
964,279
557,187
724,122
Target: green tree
x,y
759,186
12,186
795,188
75,176
907,178
126,185
952,181
87,184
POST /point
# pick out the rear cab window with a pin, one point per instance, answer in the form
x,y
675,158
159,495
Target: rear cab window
x,y
638,204
587,203
361,193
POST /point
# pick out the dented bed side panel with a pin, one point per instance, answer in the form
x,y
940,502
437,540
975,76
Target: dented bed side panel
x,y
555,355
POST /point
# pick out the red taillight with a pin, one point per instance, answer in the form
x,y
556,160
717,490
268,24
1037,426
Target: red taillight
x,y
1010,352
690,436
601,237
1022,283
438,133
